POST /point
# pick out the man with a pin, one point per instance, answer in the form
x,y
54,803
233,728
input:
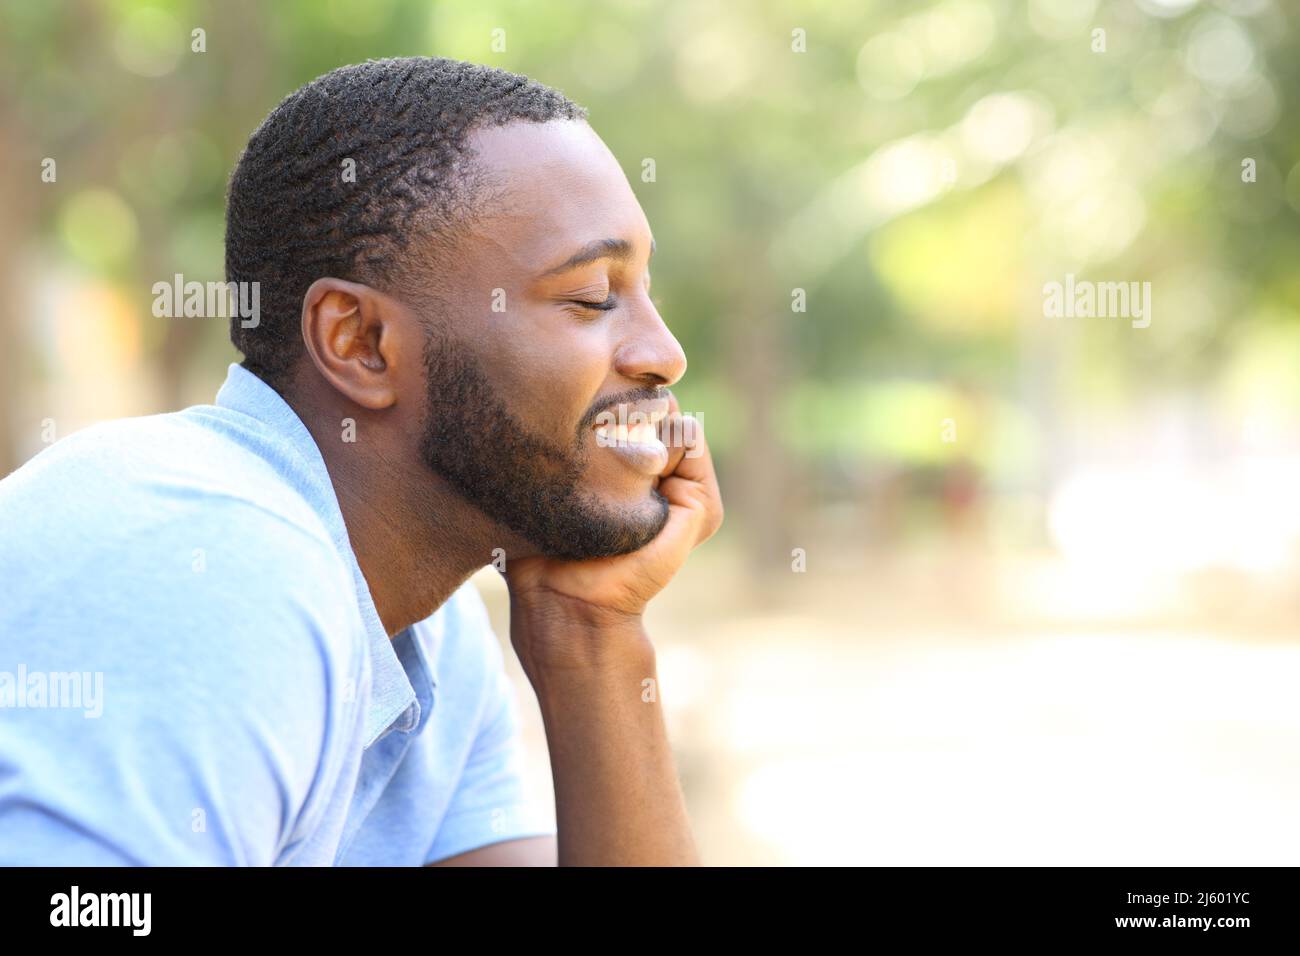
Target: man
x,y
272,590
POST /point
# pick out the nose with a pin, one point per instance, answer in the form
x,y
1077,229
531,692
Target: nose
x,y
649,353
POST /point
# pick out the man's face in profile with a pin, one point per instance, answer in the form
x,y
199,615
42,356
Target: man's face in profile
x,y
545,322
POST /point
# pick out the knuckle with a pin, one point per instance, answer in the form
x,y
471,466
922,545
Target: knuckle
x,y
714,522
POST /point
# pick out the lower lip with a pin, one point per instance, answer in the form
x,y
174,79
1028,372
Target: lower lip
x,y
648,459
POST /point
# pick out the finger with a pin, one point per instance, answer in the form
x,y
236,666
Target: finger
x,y
668,427
693,485
689,450
697,504
679,535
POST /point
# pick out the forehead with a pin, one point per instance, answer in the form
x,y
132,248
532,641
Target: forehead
x,y
556,186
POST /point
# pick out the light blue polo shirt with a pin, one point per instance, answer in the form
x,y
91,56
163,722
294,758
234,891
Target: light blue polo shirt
x,y
192,671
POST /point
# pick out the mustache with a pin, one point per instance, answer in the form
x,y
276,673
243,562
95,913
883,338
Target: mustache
x,y
648,393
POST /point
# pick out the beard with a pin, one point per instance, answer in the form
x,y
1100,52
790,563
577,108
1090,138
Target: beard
x,y
514,476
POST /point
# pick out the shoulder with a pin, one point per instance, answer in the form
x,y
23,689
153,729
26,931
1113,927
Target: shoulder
x,y
161,528
151,466
182,572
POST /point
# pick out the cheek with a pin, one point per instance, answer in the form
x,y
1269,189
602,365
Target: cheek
x,y
549,368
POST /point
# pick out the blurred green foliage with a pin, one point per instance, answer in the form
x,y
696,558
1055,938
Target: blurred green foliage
x,y
920,170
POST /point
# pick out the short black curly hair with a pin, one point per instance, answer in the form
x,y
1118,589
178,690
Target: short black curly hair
x,y
293,216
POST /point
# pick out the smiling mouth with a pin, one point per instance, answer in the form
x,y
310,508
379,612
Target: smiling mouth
x,y
642,433
637,443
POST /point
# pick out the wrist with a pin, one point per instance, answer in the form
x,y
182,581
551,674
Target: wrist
x,y
546,606
558,636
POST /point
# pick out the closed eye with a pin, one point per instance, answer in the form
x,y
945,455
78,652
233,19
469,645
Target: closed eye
x,y
603,305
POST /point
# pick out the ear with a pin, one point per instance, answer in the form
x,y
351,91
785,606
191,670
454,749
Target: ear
x,y
353,335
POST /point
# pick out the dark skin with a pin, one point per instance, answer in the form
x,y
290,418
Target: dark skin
x,y
566,233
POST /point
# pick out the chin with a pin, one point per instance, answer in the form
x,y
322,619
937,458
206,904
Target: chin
x,y
641,507
605,528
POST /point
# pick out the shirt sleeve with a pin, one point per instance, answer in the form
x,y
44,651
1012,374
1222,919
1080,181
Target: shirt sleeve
x,y
492,802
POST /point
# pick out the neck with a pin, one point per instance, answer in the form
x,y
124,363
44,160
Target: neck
x,y
415,539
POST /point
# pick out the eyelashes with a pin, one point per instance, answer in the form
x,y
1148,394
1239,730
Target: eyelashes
x,y
606,304
610,301
602,306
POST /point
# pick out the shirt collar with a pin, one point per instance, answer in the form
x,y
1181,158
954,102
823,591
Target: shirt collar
x,y
394,703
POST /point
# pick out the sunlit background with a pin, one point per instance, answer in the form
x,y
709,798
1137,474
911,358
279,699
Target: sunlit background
x,y
995,586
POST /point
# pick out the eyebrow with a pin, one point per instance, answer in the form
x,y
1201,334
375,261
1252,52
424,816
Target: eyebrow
x,y
619,249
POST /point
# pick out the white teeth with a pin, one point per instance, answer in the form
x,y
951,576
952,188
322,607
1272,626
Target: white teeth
x,y
642,433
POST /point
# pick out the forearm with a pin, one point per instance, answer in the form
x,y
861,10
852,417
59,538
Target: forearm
x,y
617,797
